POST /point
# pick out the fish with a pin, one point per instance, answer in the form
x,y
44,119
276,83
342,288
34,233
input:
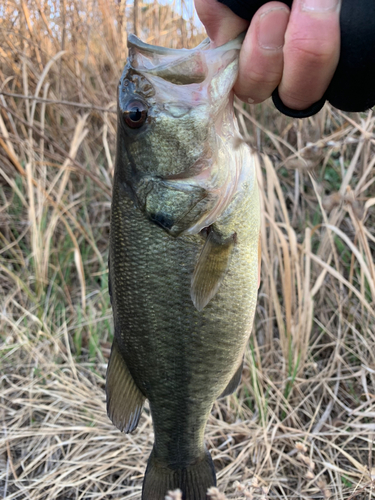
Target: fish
x,y
184,254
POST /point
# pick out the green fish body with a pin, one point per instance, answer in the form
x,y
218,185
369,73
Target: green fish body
x,y
184,254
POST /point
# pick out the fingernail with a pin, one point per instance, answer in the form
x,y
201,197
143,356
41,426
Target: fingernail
x,y
250,100
320,5
272,26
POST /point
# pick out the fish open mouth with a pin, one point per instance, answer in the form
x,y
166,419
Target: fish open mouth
x,y
177,66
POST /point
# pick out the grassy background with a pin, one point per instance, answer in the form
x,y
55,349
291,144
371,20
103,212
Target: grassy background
x,y
301,425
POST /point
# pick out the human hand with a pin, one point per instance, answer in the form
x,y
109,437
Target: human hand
x,y
296,51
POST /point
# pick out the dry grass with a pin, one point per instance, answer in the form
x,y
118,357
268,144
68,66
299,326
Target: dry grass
x,y
301,425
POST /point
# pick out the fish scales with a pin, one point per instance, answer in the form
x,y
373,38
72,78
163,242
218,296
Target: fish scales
x,y
179,339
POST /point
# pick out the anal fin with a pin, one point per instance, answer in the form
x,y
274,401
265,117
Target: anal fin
x,y
234,382
124,399
211,268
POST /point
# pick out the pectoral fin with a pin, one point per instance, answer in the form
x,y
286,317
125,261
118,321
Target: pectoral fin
x,y
210,269
124,399
234,382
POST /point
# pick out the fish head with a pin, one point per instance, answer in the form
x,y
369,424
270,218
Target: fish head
x,y
170,107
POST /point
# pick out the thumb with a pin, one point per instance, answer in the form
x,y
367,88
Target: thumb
x,y
220,22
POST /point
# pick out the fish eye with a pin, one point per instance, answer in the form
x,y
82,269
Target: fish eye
x,y
135,114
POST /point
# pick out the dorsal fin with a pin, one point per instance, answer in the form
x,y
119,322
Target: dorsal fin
x,y
234,382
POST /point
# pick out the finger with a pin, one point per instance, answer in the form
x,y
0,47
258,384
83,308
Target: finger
x,y
311,52
261,56
220,22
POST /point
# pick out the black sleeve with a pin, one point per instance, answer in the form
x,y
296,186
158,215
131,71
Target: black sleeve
x,y
247,8
353,85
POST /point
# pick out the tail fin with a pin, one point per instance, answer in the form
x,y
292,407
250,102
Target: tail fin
x,y
193,480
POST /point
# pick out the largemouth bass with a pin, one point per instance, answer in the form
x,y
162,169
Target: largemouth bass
x,y
184,254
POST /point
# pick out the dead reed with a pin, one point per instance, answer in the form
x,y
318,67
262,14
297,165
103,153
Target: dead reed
x,y
301,425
